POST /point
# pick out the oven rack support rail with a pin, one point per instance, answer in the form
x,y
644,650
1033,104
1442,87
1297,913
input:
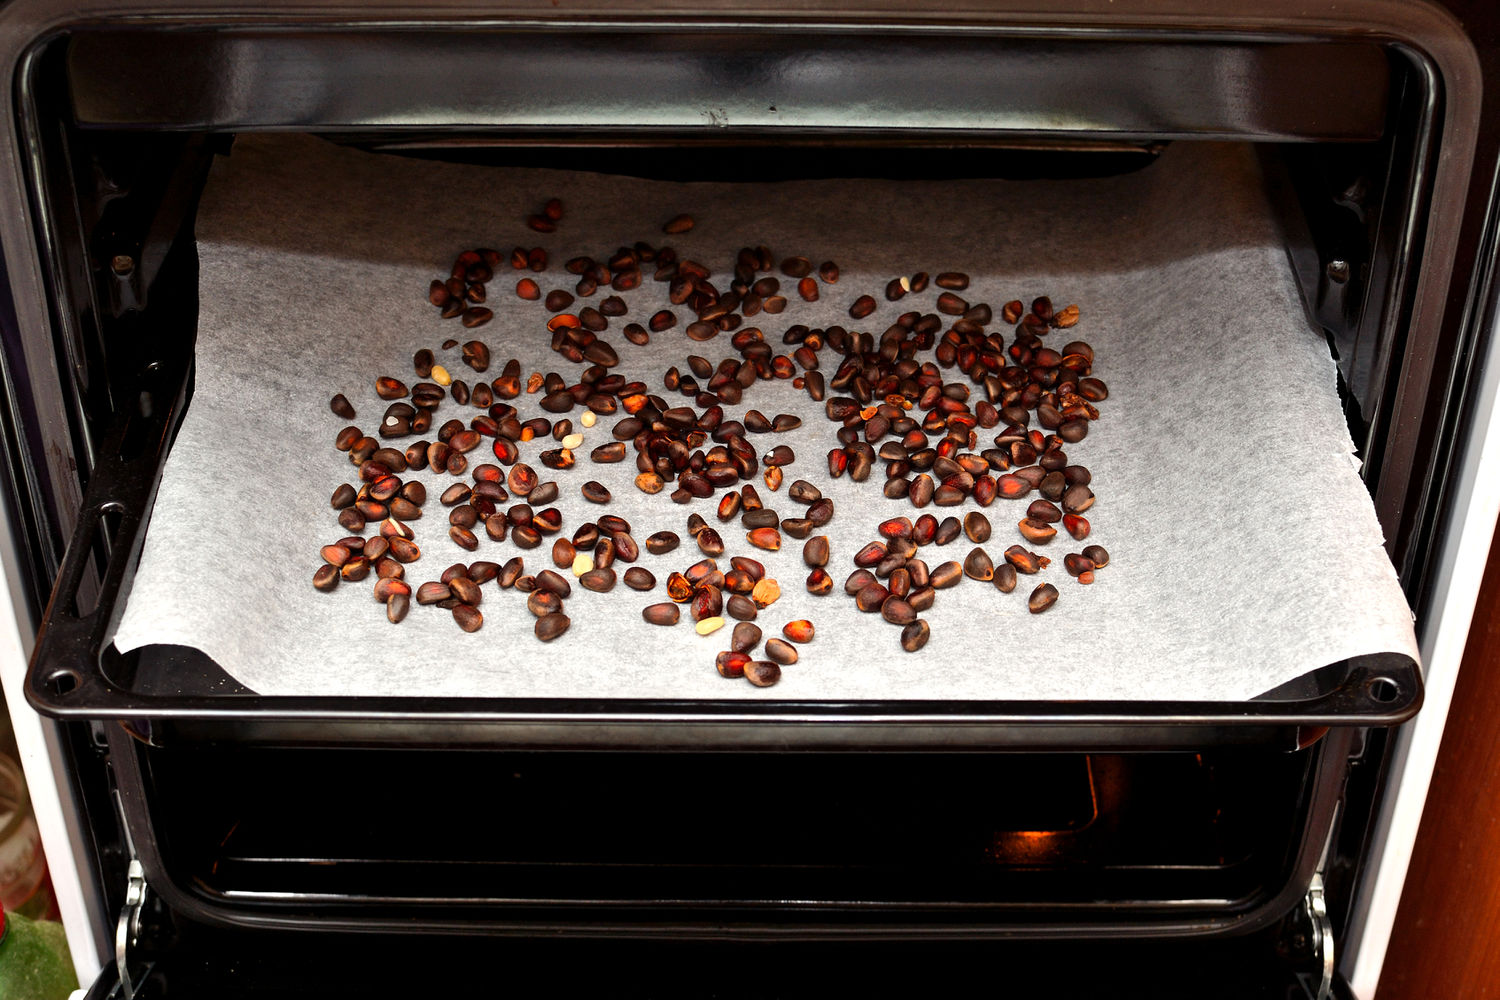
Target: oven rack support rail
x,y
76,673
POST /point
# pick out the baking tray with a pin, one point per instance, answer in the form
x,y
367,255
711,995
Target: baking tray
x,y
76,673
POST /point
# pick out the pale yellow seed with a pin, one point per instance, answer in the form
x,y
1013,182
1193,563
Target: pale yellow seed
x,y
572,440
709,625
440,375
588,418
582,563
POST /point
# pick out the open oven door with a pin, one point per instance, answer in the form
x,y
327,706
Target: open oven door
x,y
215,964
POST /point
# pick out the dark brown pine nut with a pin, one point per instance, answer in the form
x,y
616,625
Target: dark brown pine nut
x,y
803,491
433,592
897,611
745,637
661,614
945,575
477,316
542,493
921,599
468,618
779,456
555,582
390,388
1042,598
1077,499
1044,510
762,673
741,608
550,626
951,305
465,590
600,579
871,596
662,542
710,543
761,518
751,567
1076,564
608,453
781,651
915,635
396,608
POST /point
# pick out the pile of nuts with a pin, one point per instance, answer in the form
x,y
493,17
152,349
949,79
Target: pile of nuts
x,y
889,405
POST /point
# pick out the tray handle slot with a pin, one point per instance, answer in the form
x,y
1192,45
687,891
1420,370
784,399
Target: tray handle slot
x,y
73,656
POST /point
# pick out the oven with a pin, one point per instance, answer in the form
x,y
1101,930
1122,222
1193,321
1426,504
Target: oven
x,y
218,831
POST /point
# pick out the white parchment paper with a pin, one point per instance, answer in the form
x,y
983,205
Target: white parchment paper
x,y
1245,549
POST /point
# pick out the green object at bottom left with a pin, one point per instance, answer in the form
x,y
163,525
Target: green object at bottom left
x,y
34,960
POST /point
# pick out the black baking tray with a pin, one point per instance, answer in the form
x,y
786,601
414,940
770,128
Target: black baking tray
x,y
76,672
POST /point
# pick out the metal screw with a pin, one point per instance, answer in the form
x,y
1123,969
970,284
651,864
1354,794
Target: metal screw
x,y
1338,271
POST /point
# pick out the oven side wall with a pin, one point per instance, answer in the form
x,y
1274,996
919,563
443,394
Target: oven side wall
x,y
1475,505
45,762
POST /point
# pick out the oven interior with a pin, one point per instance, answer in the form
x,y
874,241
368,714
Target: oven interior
x,y
613,842
118,159
882,839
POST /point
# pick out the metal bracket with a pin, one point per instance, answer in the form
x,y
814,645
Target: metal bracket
x,y
128,929
1316,911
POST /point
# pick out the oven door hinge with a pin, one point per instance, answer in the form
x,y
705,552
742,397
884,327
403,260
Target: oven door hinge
x,y
1320,943
128,931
